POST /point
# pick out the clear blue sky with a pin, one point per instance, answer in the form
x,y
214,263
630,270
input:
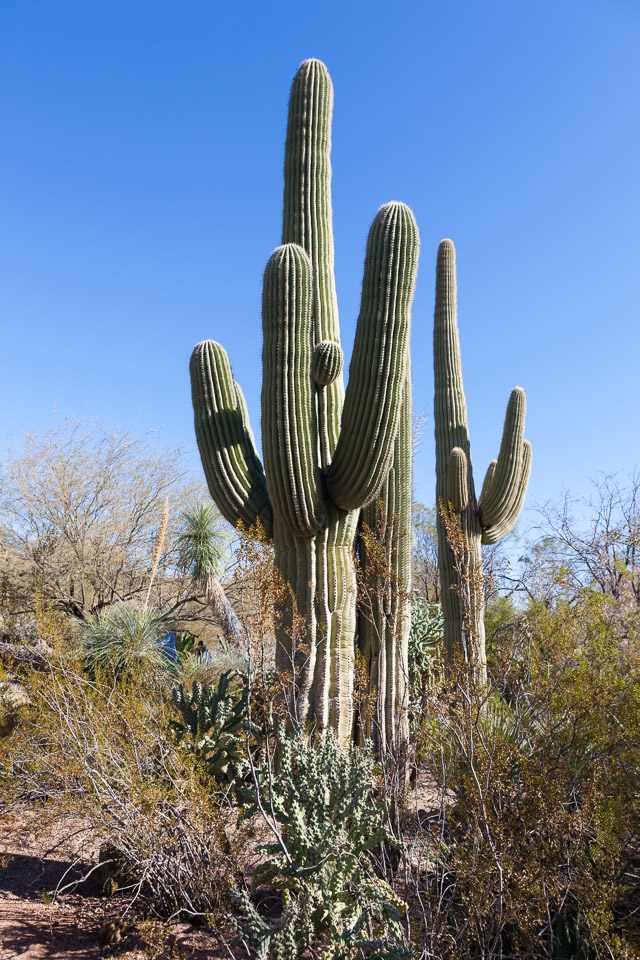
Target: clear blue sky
x,y
141,190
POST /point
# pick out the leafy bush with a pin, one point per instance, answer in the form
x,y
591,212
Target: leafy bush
x,y
319,806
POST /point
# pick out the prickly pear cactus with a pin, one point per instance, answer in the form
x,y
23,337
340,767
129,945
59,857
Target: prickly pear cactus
x,y
326,453
491,517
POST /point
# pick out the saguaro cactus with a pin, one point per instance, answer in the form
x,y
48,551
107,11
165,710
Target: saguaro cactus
x,y
491,517
326,454
385,613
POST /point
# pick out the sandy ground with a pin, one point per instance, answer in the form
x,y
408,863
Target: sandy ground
x,y
35,927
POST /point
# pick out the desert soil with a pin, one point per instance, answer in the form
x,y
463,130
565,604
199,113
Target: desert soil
x,y
34,925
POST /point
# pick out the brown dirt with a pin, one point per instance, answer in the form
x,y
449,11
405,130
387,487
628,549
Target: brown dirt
x,y
36,925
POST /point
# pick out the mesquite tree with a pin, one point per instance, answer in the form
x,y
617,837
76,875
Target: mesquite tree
x,y
327,453
494,514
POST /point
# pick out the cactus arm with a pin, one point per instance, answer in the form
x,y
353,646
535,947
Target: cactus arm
x,y
457,481
289,444
379,362
327,362
225,441
307,221
450,407
503,491
488,479
501,529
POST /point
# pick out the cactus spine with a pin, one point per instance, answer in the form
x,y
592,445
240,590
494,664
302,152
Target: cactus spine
x,y
490,518
326,453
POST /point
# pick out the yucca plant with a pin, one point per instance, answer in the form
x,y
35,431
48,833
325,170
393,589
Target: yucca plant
x,y
202,551
123,641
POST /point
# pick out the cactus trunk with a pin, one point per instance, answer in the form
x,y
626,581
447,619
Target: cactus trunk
x,y
385,608
494,515
326,453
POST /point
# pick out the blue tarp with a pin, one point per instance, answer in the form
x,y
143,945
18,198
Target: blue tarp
x,y
168,646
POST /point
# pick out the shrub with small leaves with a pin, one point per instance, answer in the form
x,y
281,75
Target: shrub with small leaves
x,y
530,843
319,805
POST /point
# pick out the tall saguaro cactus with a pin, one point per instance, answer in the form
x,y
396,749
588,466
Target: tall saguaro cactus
x,y
385,611
326,453
493,515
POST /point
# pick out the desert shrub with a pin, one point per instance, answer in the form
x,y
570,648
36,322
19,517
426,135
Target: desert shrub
x,y
192,668
80,505
530,846
13,700
222,658
500,616
320,808
99,755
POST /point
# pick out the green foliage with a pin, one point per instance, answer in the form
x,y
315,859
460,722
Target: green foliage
x,y
185,643
537,842
320,803
425,642
122,641
214,725
501,613
201,542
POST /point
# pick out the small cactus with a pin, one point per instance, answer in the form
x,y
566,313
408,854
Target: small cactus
x,y
113,930
491,517
213,725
